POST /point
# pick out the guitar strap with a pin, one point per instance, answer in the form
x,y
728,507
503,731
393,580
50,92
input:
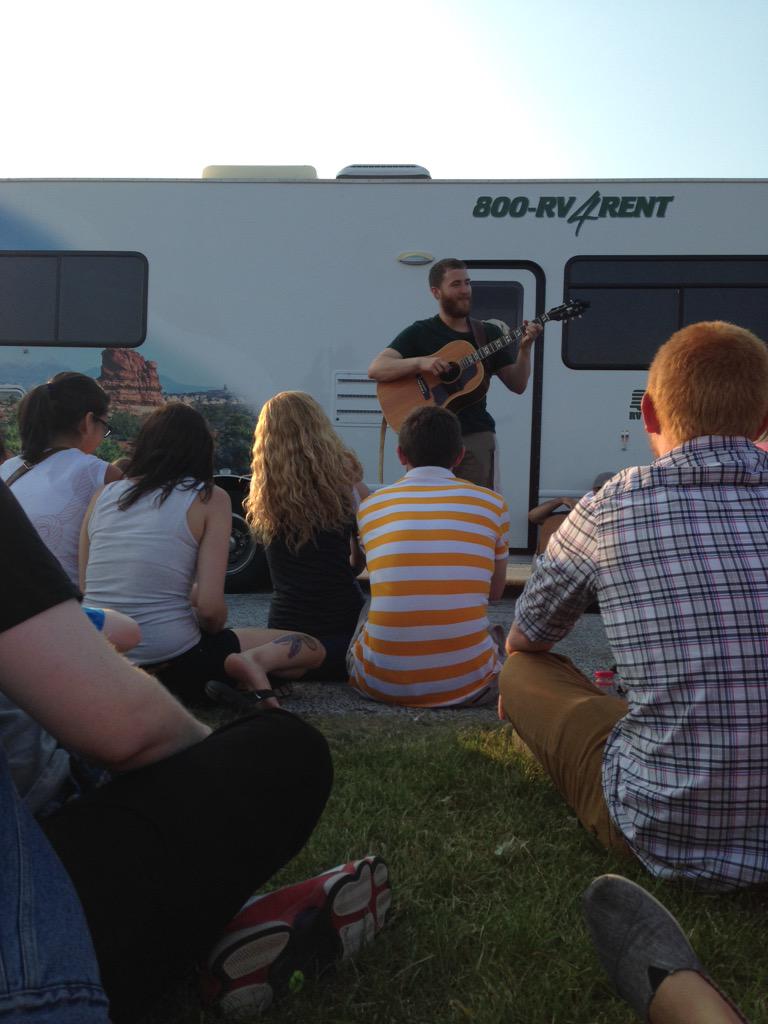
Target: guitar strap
x,y
478,332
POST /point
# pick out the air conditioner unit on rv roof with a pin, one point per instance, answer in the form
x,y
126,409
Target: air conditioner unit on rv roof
x,y
384,171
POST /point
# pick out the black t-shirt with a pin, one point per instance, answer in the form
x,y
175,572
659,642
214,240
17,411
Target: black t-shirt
x,y
32,579
425,337
315,590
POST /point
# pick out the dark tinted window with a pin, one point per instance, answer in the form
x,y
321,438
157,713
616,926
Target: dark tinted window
x,y
27,298
622,328
637,302
497,300
747,307
91,299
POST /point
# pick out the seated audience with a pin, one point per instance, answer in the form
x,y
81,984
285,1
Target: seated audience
x,y
305,489
61,425
649,960
437,552
145,871
677,774
148,539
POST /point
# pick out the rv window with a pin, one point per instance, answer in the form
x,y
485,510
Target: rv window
x,y
622,328
73,298
747,307
497,300
637,302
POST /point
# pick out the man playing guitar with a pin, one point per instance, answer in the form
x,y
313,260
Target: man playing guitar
x,y
413,352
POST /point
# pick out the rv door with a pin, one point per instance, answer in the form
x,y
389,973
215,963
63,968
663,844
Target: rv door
x,y
509,293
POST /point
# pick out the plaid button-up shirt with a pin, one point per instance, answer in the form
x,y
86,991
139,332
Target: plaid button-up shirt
x,y
677,555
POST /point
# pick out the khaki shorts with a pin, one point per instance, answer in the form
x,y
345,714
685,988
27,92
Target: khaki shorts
x,y
478,464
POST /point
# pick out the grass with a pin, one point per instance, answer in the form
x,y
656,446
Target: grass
x,y
488,866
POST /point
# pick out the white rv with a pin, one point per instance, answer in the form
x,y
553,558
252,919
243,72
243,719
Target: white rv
x,y
247,286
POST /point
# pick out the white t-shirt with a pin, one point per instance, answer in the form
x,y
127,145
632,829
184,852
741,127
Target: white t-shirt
x,y
143,561
55,495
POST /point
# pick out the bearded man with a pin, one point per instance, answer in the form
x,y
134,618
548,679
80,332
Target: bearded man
x,y
413,352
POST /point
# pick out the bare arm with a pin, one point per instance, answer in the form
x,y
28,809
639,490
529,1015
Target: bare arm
x,y
85,542
64,674
212,560
121,630
356,550
518,641
390,365
546,508
113,473
515,377
356,554
498,580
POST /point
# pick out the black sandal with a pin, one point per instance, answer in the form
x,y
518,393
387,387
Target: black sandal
x,y
243,700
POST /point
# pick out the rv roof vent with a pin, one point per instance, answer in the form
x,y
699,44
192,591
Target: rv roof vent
x,y
260,172
384,171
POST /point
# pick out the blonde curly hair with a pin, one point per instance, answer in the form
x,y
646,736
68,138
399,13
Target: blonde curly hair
x,y
302,475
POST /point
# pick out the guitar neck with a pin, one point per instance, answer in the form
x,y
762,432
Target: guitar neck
x,y
505,339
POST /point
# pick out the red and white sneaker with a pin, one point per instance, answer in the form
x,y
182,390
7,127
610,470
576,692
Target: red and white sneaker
x,y
276,941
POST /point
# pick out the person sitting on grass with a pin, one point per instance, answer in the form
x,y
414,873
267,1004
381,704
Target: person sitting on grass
x,y
437,552
305,489
648,958
148,539
61,424
676,775
111,900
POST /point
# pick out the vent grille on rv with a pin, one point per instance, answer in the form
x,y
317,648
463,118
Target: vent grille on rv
x,y
354,400
384,171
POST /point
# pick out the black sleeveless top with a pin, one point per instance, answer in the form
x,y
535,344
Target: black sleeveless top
x,y
315,590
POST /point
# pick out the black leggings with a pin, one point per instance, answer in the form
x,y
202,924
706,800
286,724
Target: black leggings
x,y
163,857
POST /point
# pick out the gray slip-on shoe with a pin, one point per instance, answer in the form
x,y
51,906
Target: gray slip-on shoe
x,y
637,941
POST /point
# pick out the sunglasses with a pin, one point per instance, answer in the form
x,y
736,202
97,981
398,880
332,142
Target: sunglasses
x,y
105,424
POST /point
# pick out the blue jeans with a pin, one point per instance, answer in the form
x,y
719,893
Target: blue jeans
x,y
48,970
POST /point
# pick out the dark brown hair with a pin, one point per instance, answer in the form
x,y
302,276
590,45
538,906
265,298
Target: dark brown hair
x,y
438,270
57,408
173,448
431,436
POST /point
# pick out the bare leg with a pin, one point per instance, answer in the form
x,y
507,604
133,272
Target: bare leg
x,y
687,998
278,651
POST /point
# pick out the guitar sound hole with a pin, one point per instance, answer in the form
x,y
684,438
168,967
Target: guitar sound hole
x,y
451,374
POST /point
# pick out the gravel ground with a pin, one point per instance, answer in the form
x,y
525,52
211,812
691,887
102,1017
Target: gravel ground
x,y
586,646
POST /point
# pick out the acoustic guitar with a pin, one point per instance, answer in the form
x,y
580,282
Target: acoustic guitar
x,y
465,381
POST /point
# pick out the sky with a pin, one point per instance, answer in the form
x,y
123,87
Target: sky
x,y
483,89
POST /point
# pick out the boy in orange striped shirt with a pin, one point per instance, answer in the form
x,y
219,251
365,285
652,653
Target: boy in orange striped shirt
x,y
437,550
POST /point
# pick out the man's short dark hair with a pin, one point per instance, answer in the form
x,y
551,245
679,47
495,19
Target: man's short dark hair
x,y
431,436
438,270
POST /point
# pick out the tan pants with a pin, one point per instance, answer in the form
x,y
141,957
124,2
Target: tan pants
x,y
477,466
564,721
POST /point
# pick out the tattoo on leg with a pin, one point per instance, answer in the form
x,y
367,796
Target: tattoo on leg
x,y
295,640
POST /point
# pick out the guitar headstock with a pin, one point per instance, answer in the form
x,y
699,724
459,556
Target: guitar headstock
x,y
569,310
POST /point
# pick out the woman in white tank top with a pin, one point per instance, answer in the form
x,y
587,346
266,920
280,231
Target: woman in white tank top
x,y
155,547
61,424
